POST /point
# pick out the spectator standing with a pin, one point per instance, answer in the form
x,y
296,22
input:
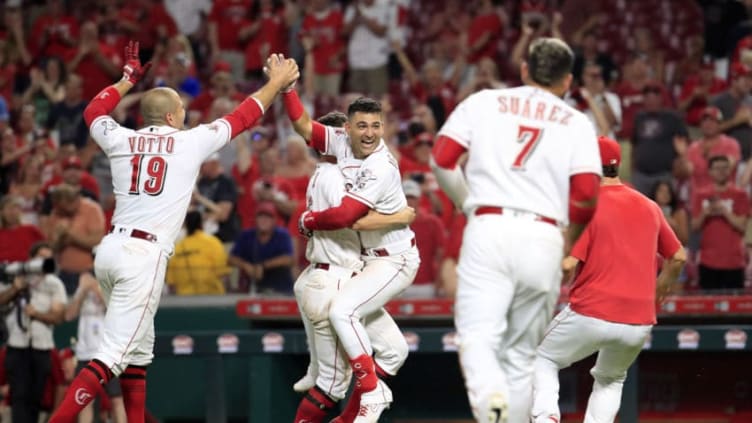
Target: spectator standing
x,y
226,19
676,215
75,226
483,33
46,88
322,34
720,213
38,305
601,106
430,239
66,117
199,262
73,174
217,196
147,22
736,106
631,92
367,24
264,254
54,32
696,91
96,62
656,132
26,187
246,171
16,238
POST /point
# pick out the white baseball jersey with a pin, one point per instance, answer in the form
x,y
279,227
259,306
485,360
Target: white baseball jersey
x,y
523,144
90,326
377,184
341,247
154,171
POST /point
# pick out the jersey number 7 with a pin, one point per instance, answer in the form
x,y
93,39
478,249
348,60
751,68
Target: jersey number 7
x,y
529,137
156,169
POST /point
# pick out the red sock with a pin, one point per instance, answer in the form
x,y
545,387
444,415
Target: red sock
x,y
133,385
85,386
314,406
364,373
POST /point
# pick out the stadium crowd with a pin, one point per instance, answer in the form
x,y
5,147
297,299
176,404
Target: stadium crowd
x,y
670,80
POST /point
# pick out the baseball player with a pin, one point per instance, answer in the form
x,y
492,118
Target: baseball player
x,y
335,258
612,301
529,154
154,171
391,259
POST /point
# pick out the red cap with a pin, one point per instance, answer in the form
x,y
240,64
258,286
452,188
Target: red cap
x,y
222,67
739,69
266,208
72,162
610,151
712,112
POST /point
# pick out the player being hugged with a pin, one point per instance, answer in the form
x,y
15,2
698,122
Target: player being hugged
x,y
154,171
532,166
611,306
390,256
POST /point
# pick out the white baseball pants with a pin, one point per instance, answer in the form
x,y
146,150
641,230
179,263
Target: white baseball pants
x,y
509,274
131,274
314,290
382,279
571,337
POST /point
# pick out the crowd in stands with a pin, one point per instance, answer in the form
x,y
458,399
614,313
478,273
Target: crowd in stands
x,y
669,80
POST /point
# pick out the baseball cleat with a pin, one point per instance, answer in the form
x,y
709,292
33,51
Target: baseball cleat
x,y
373,403
304,384
497,408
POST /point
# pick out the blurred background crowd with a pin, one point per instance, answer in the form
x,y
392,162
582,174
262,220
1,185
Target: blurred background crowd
x,y
670,79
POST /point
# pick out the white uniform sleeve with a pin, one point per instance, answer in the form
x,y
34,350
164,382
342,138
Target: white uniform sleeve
x,y
375,178
459,125
105,132
586,157
337,142
210,137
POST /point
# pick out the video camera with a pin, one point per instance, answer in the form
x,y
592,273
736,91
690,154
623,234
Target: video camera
x,y
32,267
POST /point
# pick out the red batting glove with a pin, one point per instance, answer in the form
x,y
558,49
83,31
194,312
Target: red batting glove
x,y
133,71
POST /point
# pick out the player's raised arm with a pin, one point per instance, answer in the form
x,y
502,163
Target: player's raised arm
x,y
104,103
312,132
282,73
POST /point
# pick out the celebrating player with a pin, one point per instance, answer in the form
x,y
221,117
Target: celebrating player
x,y
612,301
335,258
529,154
154,170
391,259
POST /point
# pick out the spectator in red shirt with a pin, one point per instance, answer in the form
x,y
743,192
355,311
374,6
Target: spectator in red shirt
x,y
298,167
274,189
430,238
246,172
720,214
226,20
612,301
16,238
694,163
484,33
147,22
263,33
96,62
73,174
221,84
54,32
631,92
697,90
322,34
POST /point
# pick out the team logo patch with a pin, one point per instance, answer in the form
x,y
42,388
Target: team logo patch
x,y
182,345
273,342
689,339
736,339
109,125
364,177
227,343
82,396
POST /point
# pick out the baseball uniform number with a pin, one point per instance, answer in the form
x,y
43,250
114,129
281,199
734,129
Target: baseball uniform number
x,y
155,169
529,137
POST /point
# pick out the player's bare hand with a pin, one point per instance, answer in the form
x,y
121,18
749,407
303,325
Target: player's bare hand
x,y
133,70
282,71
19,282
568,266
30,311
407,215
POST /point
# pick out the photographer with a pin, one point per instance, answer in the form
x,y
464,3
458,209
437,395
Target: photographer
x,y
37,304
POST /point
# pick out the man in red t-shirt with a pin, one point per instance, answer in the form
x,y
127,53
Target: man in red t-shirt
x,y
322,34
16,238
612,300
430,238
720,214
96,62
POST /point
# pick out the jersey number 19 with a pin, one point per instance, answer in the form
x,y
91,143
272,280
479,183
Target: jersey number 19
x,y
156,169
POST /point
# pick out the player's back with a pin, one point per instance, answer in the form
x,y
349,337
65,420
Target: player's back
x,y
341,247
617,278
154,171
523,144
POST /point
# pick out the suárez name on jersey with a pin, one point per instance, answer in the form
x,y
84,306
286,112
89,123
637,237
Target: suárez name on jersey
x,y
538,110
157,145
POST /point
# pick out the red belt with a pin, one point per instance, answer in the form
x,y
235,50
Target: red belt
x,y
325,266
382,252
498,210
137,233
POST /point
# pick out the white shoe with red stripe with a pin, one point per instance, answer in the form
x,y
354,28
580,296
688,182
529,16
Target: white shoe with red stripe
x,y
373,403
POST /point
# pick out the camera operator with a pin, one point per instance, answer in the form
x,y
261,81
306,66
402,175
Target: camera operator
x,y
37,304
